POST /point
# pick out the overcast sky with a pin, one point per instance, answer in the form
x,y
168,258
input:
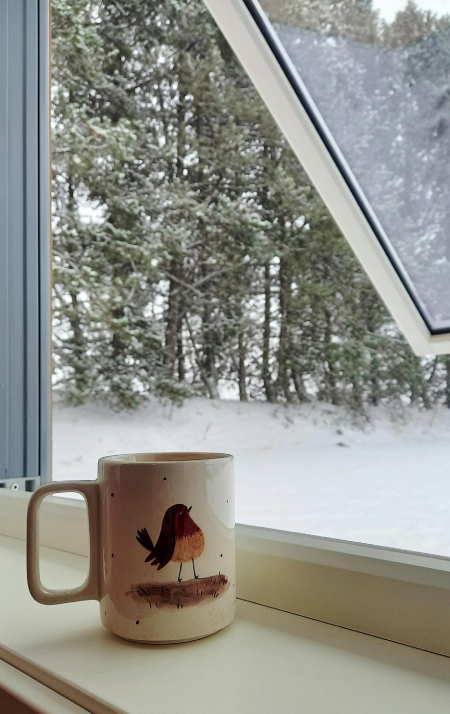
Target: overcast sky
x,y
389,8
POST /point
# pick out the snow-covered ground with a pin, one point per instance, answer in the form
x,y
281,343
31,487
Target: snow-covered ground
x,y
310,468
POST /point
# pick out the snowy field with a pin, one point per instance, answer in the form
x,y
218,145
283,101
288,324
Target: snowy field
x,y
310,469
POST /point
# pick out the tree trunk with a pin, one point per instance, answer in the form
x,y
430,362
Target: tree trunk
x,y
116,341
415,386
299,385
209,370
267,380
357,394
181,118
374,377
426,397
200,364
447,382
180,353
330,367
79,348
427,400
211,385
283,346
374,397
241,370
173,351
172,318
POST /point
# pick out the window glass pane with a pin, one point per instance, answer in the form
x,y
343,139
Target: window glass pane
x,y
205,300
378,73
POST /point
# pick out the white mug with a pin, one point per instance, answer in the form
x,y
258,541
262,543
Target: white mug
x,y
162,545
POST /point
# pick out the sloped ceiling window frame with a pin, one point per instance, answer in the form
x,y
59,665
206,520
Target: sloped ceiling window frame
x,y
25,244
249,33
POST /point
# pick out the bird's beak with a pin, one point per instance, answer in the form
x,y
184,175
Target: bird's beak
x,y
189,508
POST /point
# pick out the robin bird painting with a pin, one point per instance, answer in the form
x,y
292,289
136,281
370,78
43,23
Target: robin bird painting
x,y
180,539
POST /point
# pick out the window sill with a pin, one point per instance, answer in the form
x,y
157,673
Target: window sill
x,y
20,694
398,596
264,658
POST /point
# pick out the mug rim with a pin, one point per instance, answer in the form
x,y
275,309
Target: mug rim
x,y
155,458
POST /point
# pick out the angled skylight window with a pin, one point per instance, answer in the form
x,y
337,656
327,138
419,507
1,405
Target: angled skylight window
x,y
363,95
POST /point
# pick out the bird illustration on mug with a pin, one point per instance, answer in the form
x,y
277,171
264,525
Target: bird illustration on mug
x,y
180,540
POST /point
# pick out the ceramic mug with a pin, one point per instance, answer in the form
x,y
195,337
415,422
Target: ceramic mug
x,y
162,547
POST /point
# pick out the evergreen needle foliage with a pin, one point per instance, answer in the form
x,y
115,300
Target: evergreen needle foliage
x,y
191,252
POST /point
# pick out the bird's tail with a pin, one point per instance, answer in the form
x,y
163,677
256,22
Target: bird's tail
x,y
144,539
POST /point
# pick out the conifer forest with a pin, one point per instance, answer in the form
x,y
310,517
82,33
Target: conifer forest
x,y
192,254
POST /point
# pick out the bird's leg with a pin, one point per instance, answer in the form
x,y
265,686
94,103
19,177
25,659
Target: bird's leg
x,y
179,574
195,576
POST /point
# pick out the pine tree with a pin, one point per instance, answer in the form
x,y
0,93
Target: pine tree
x,y
191,250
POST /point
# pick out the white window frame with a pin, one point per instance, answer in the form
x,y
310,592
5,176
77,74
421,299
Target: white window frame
x,y
248,40
380,591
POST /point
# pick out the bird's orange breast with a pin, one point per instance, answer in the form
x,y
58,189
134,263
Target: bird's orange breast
x,y
189,547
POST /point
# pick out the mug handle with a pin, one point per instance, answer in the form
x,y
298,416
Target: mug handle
x,y
89,590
